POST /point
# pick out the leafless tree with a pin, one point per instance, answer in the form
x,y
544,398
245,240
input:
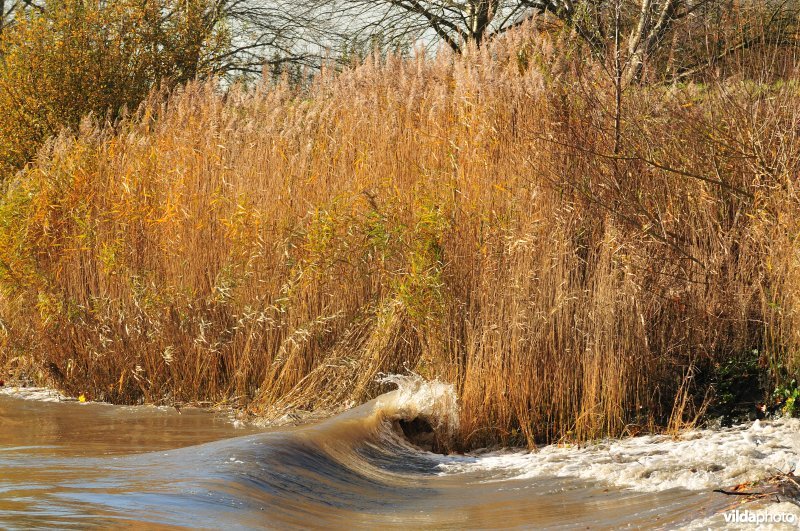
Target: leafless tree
x,y
455,23
624,34
629,30
268,32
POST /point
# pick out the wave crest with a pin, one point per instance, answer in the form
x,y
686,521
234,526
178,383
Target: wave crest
x,y
418,404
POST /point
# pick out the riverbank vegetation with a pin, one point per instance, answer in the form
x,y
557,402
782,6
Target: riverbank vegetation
x,y
577,259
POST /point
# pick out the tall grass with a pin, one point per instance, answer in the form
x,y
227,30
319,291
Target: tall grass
x,y
460,217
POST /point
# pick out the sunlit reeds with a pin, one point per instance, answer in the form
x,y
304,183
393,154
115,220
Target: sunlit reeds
x,y
460,217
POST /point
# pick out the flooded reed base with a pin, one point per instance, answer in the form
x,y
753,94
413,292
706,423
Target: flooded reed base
x,y
74,465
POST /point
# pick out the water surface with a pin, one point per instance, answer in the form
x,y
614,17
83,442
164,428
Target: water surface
x,y
71,465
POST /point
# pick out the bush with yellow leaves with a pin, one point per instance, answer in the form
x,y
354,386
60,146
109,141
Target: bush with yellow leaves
x,y
76,57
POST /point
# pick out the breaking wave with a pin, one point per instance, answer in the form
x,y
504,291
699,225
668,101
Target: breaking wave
x,y
373,466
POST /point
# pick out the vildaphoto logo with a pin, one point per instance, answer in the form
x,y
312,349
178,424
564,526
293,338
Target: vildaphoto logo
x,y
747,516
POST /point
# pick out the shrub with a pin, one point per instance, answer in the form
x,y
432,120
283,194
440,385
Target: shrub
x,y
76,57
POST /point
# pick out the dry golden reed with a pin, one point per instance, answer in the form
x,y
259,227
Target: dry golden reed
x,y
464,218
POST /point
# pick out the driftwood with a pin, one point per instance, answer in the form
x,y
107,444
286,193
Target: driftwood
x,y
737,493
783,486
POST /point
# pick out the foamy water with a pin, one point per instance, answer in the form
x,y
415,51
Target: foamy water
x,y
697,460
42,394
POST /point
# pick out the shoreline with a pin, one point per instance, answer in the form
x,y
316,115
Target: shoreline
x,y
22,391
295,417
771,495
32,392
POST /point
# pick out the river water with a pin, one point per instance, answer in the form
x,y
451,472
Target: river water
x,y
73,465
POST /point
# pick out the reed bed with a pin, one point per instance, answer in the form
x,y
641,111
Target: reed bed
x,y
465,218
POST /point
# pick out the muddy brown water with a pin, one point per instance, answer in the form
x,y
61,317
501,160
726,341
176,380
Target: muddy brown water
x,y
71,465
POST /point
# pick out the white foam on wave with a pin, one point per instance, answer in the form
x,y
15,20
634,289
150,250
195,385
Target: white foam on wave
x,y
416,397
697,460
41,394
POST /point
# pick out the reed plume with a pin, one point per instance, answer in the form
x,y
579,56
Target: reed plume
x,y
461,217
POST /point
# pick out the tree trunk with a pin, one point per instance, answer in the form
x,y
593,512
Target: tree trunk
x,y
637,42
635,67
479,15
653,24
